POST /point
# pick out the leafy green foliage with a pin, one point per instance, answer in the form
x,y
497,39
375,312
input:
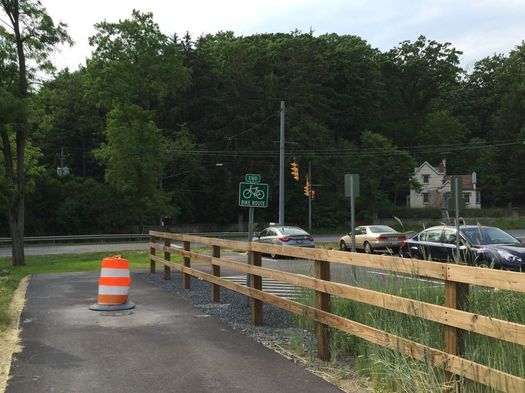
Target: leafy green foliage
x,y
156,107
133,159
133,62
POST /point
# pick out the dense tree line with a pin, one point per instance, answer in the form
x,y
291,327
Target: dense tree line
x,y
166,126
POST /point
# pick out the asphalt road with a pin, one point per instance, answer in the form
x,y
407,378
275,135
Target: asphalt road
x,y
51,249
163,345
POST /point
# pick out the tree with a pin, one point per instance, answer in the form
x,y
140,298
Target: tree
x,y
64,119
31,35
133,156
135,76
510,122
133,62
417,74
386,173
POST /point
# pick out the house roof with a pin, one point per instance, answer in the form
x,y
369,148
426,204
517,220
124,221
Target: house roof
x,y
439,170
465,179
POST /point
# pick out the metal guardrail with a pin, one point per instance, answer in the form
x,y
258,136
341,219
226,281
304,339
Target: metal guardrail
x,y
44,239
115,236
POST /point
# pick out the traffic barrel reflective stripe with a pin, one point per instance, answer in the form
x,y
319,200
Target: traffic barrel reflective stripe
x,y
114,282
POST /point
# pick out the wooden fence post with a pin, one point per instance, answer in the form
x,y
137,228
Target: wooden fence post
x,y
167,257
186,277
322,302
152,239
256,283
455,297
216,271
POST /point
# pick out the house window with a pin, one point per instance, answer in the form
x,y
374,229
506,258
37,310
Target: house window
x,y
466,197
478,198
426,179
425,197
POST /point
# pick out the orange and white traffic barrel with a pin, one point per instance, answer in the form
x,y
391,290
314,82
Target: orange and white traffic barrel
x,y
113,285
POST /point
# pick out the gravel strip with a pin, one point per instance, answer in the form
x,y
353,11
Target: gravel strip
x,y
233,309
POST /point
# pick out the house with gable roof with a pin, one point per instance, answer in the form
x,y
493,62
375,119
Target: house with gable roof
x,y
435,188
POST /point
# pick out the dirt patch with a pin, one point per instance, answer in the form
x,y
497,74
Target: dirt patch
x,y
10,339
338,373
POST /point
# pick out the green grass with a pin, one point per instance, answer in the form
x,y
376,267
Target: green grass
x,y
508,223
11,276
388,370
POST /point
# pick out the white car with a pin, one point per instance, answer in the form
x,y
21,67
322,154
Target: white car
x,y
371,238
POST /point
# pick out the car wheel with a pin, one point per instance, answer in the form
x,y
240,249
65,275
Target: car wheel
x,y
368,248
415,255
483,263
343,246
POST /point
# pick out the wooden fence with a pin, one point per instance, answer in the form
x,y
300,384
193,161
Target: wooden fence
x,y
456,278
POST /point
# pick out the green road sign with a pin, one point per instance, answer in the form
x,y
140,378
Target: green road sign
x,y
252,178
253,195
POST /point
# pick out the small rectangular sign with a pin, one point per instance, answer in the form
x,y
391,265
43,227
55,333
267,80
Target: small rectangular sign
x,y
351,185
456,188
252,178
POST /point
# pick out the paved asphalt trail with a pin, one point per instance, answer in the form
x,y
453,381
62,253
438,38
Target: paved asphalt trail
x,y
164,345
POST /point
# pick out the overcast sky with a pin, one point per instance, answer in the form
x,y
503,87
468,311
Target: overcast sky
x,y
479,28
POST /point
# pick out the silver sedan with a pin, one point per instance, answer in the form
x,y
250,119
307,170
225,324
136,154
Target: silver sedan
x,y
285,236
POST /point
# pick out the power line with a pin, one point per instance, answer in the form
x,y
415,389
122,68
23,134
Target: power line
x,y
229,138
355,152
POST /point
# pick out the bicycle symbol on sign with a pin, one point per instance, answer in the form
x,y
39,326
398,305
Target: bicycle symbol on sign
x,y
253,192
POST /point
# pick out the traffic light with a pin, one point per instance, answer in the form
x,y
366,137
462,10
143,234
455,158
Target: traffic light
x,y
294,169
313,194
307,187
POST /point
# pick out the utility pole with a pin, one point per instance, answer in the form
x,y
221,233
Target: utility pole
x,y
455,179
62,170
310,197
62,158
281,168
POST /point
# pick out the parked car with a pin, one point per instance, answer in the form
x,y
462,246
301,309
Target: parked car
x,y
372,238
481,246
285,236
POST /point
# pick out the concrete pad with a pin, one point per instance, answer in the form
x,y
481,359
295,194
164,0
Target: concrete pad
x,y
163,345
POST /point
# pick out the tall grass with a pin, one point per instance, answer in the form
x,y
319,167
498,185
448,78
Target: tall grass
x,y
390,371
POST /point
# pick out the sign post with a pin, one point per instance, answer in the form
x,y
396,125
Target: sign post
x,y
457,193
252,194
352,191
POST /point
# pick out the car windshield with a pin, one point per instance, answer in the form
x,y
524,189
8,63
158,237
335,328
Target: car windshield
x,y
292,231
488,235
381,229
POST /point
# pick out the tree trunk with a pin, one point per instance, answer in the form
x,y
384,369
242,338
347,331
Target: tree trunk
x,y
16,210
16,228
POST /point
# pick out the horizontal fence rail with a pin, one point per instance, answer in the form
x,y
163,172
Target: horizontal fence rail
x,y
456,278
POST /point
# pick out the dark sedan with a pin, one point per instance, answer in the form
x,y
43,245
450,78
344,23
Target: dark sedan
x,y
480,246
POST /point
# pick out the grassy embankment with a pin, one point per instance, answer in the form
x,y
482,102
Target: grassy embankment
x,y
391,372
